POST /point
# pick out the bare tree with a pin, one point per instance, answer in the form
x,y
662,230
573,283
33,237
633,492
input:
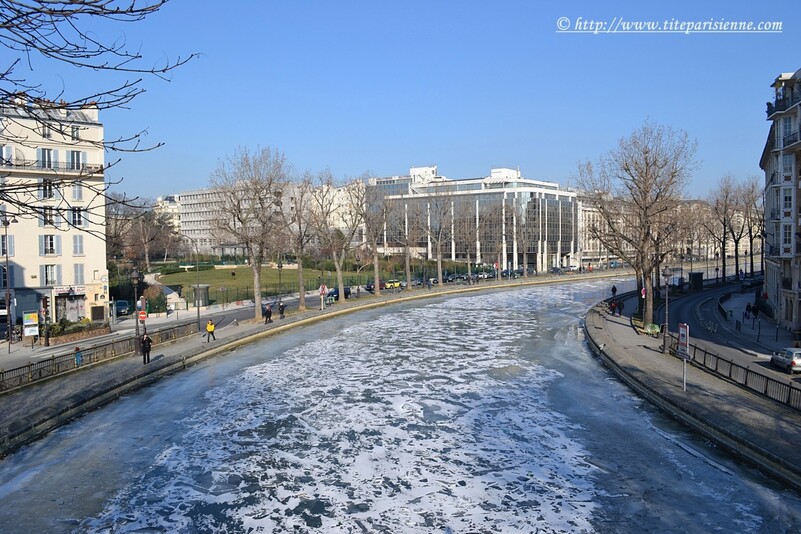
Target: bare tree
x,y
634,188
373,208
299,224
754,214
69,34
723,210
251,189
440,221
336,219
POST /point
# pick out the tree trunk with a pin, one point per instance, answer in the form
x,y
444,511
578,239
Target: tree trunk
x,y
255,267
376,273
301,288
439,263
408,266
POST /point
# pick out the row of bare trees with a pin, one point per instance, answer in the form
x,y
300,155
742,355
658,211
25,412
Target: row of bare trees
x,y
638,189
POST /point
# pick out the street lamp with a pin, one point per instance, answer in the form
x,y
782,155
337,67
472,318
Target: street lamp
x,y
197,277
9,318
666,273
280,267
135,282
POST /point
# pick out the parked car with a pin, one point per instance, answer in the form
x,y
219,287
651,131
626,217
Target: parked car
x,y
393,284
370,286
788,359
556,270
335,293
121,307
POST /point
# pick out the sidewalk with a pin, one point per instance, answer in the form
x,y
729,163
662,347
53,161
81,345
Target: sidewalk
x,y
758,336
756,428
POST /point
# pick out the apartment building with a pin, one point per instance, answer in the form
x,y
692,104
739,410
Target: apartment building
x,y
53,221
781,160
502,218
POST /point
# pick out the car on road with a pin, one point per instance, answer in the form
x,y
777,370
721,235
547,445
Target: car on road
x,y
370,286
121,307
334,293
788,359
393,284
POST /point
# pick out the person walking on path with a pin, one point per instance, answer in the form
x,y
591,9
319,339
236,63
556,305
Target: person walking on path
x,y
147,344
620,308
268,314
210,331
614,291
281,308
78,357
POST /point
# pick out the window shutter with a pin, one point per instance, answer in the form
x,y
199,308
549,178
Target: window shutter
x,y
84,158
58,245
41,245
40,216
39,191
10,275
42,276
8,155
58,274
55,159
10,245
85,214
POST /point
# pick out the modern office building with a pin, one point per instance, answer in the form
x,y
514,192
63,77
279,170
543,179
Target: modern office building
x,y
501,219
53,219
781,161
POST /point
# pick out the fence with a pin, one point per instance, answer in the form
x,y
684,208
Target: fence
x,y
783,392
62,363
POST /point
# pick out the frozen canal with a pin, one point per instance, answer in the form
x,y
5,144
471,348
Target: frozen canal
x,y
482,413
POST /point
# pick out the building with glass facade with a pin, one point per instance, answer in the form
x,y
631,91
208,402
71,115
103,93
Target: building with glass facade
x,y
502,219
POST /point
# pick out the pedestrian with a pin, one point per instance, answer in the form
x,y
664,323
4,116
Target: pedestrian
x,y
614,291
613,306
210,331
78,357
147,343
620,308
748,311
281,308
268,314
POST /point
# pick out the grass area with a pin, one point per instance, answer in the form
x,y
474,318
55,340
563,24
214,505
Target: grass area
x,y
226,285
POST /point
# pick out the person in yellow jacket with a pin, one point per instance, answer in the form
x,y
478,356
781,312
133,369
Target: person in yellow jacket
x,y
210,331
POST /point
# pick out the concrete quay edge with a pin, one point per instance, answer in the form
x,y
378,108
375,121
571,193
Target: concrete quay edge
x,y
741,444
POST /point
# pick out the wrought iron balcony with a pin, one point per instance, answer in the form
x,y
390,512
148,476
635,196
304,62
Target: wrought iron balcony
x,y
61,166
790,139
782,104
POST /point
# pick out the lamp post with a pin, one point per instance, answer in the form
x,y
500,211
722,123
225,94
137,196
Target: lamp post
x,y
666,273
197,279
280,268
135,283
9,318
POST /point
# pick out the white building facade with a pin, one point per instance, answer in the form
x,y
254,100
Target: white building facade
x,y
54,221
781,161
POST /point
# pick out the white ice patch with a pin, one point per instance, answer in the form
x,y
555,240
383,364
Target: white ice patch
x,y
415,422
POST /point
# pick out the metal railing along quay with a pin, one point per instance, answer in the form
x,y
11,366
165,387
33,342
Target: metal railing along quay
x,y
62,363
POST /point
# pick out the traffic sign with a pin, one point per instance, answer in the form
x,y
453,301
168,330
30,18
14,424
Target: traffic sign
x,y
142,315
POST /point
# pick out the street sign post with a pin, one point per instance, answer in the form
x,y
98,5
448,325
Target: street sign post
x,y
142,316
684,350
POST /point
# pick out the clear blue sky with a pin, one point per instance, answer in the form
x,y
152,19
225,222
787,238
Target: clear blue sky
x,y
382,86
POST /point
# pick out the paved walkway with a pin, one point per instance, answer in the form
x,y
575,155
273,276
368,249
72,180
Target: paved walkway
x,y
755,427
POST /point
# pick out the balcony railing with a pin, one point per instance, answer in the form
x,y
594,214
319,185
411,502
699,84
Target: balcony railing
x,y
790,139
61,166
782,104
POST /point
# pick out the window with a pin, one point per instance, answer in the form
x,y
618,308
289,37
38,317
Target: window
x,y
787,234
787,126
75,133
78,218
77,245
47,132
787,162
46,158
77,191
6,245
75,160
79,274
50,278
49,244
49,215
787,194
47,189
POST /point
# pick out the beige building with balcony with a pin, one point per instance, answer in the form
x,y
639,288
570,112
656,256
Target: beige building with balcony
x,y
781,160
54,221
